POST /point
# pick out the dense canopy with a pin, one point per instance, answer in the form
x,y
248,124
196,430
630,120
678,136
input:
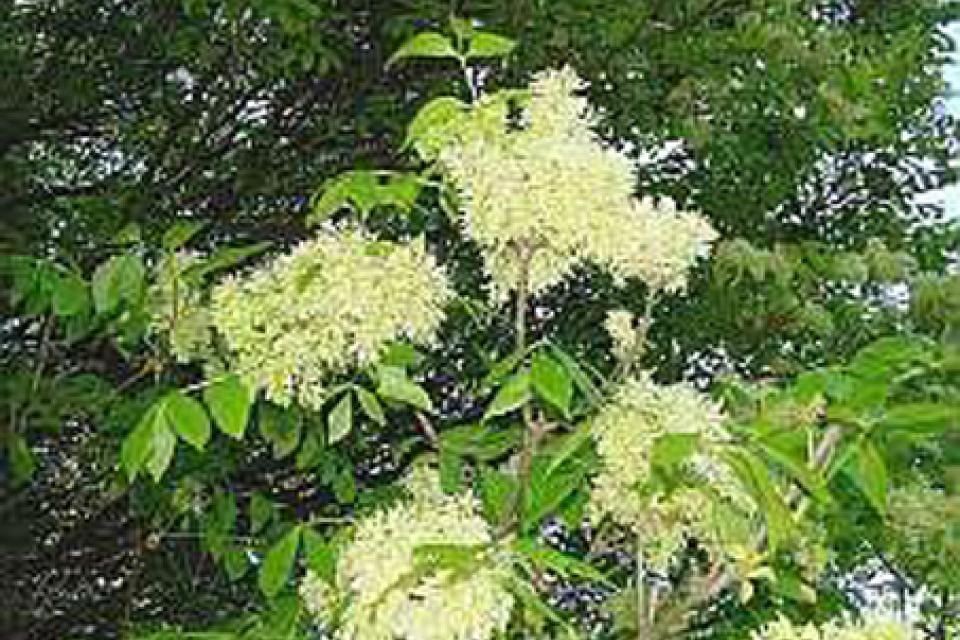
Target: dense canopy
x,y
601,319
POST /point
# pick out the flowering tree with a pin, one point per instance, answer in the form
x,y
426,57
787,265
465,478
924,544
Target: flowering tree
x,y
712,497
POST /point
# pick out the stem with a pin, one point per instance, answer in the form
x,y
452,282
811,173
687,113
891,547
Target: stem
x,y
520,314
175,280
471,84
531,432
429,432
150,366
643,603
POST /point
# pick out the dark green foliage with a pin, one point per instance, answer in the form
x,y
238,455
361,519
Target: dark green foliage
x,y
129,130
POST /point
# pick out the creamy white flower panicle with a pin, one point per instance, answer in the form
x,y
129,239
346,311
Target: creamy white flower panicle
x,y
626,337
625,431
870,629
318,596
550,195
388,598
330,304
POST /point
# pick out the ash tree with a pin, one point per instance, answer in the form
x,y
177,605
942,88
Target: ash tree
x,y
510,381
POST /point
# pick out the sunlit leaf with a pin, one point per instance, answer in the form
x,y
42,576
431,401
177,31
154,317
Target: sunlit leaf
x,y
340,419
489,45
229,401
278,563
395,385
551,381
514,393
428,44
187,417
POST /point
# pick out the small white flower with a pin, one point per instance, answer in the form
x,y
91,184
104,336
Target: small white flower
x,y
552,193
332,303
389,598
625,431
626,338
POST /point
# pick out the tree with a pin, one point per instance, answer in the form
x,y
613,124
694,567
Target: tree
x,y
804,281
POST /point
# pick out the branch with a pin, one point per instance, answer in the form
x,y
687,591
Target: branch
x,y
719,577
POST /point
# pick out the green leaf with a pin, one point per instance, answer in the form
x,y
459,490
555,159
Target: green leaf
x,y
790,584
333,196
320,555
278,563
502,368
70,297
152,443
566,566
371,406
551,382
810,385
129,234
310,454
883,358
462,28
673,449
118,280
564,447
261,512
33,282
451,471
514,393
180,233
395,385
236,563
531,601
340,419
137,445
489,45
229,401
428,44
359,188
789,449
345,486
497,493
580,379
922,418
280,427
22,462
223,258
218,522
187,418
363,191
547,491
459,559
279,622
162,445
868,471
756,478
481,443
434,122
399,354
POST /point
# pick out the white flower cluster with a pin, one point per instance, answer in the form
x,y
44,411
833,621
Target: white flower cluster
x,y
549,195
871,629
627,337
625,431
332,303
390,596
